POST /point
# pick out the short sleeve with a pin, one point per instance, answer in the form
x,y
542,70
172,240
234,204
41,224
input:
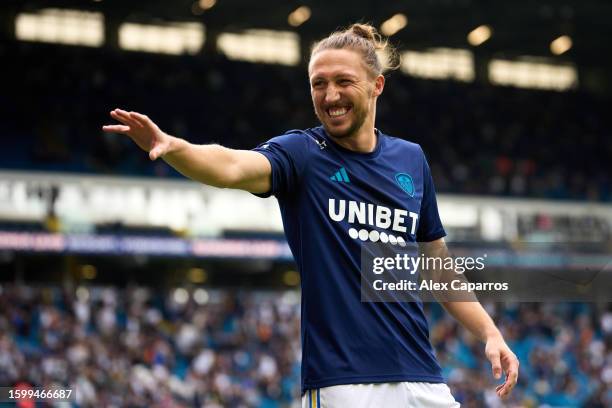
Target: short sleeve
x,y
430,226
287,155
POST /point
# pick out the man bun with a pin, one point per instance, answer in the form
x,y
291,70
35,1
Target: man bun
x,y
378,54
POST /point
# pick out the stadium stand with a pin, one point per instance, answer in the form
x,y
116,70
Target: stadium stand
x,y
517,142
142,346
142,332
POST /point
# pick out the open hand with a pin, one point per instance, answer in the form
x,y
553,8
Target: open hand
x,y
142,130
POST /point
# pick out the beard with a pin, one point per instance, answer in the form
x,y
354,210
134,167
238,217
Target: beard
x,y
359,117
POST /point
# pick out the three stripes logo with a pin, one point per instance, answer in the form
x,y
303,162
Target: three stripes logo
x,y
314,398
341,176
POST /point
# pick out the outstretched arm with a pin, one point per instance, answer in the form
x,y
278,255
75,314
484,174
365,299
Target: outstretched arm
x,y
470,313
209,164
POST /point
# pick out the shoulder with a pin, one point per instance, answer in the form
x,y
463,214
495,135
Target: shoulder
x,y
303,139
403,145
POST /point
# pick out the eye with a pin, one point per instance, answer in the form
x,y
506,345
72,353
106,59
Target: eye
x,y
317,84
345,82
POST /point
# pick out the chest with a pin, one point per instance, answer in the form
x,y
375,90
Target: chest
x,y
376,196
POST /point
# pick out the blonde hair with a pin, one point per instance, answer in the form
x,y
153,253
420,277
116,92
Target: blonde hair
x,y
366,40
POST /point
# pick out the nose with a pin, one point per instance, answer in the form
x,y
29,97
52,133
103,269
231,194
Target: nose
x,y
331,94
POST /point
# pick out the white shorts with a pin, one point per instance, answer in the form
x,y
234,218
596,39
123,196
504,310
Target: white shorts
x,y
387,395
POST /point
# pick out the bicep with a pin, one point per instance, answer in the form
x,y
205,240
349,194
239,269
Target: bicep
x,y
252,172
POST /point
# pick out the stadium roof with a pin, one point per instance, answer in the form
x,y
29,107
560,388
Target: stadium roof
x,y
520,27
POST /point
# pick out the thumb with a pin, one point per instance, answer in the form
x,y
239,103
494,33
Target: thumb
x,y
156,152
495,364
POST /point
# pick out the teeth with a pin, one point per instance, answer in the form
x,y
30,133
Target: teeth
x,y
337,112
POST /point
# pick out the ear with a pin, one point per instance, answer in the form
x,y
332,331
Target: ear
x,y
379,85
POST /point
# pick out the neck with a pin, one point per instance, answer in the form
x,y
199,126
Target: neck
x,y
362,141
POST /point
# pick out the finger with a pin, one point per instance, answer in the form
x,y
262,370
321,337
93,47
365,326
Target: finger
x,y
125,118
119,117
510,382
122,113
512,375
511,367
141,122
118,113
116,128
503,390
141,119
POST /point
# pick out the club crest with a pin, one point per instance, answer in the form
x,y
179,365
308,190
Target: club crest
x,y
405,182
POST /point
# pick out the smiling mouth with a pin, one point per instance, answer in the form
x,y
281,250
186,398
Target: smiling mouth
x,y
337,112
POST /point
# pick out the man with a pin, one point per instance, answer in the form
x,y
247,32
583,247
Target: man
x,y
355,354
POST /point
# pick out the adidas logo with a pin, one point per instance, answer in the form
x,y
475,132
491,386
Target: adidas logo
x,y
341,176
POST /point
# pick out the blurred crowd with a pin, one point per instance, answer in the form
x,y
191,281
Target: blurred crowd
x,y
564,349
479,139
139,347
223,348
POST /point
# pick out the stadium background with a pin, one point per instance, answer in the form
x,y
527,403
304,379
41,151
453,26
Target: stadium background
x,y
134,287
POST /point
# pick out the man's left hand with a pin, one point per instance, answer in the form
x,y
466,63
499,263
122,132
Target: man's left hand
x,y
502,358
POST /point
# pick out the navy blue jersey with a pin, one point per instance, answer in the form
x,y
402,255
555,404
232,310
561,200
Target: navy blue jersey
x,y
332,200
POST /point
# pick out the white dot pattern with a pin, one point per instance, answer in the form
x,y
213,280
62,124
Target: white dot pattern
x,y
401,241
375,236
363,235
